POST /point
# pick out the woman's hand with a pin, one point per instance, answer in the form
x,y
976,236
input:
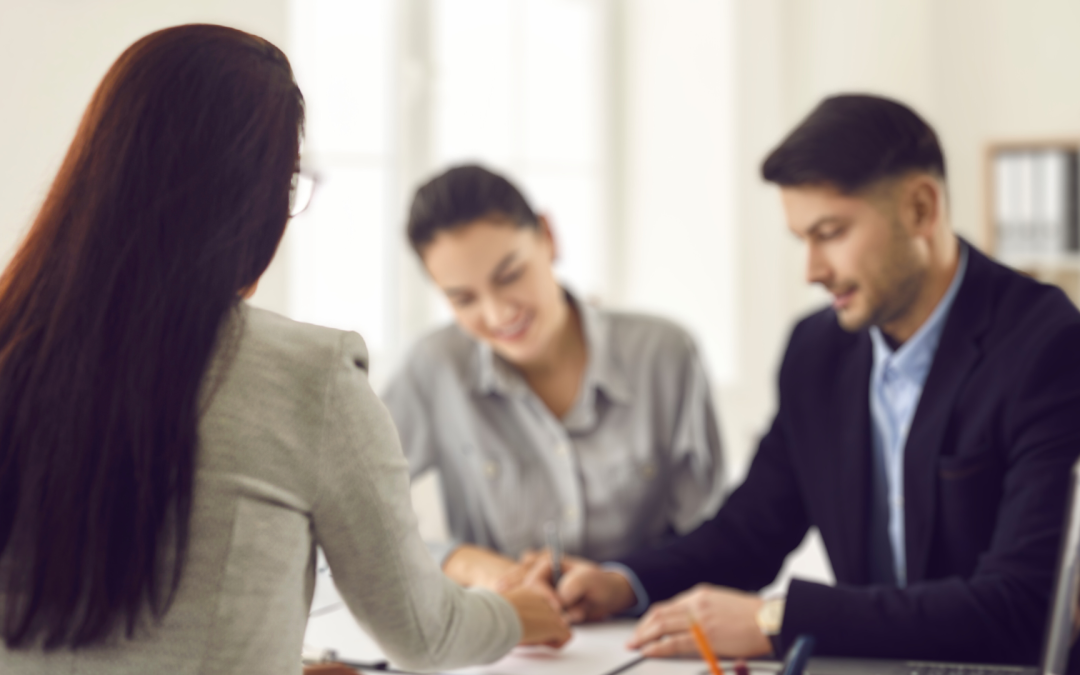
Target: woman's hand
x,y
542,622
586,591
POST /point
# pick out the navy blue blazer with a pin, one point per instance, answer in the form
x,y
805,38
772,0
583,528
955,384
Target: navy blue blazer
x,y
986,472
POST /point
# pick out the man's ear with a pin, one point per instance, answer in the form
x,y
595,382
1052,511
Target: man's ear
x,y
924,203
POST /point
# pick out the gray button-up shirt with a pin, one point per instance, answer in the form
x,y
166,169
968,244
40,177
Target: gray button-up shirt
x,y
635,459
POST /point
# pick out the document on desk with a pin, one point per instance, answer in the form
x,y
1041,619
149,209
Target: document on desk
x,y
694,666
595,649
335,628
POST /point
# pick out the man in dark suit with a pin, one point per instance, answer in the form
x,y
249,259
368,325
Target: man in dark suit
x,y
926,426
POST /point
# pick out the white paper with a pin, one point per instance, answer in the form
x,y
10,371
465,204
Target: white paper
x,y
690,666
331,625
335,628
595,649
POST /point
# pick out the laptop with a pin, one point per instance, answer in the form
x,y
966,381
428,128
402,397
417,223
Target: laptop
x,y
1061,629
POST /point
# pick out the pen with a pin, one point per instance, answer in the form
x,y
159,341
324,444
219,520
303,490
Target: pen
x,y
312,656
703,647
551,530
798,655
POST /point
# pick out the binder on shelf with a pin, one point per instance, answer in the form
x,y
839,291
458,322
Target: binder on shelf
x,y
1035,201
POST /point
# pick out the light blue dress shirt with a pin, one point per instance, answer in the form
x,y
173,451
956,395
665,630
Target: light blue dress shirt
x,y
896,384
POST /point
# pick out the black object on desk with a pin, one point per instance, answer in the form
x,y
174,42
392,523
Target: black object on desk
x,y
798,655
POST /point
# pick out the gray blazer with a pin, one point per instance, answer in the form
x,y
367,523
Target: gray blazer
x,y
296,450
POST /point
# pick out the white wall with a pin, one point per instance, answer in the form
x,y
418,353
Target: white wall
x,y
54,54
678,240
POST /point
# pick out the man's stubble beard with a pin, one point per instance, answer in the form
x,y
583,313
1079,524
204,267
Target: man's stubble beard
x,y
896,288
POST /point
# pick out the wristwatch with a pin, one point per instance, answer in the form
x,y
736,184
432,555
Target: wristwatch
x,y
771,616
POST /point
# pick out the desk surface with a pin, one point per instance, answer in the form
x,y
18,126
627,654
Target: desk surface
x,y
595,649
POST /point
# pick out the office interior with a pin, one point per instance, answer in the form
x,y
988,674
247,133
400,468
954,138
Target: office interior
x,y
638,126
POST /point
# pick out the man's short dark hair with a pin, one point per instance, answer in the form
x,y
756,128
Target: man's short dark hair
x,y
461,195
851,142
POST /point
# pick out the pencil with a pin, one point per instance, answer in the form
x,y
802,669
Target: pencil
x,y
704,648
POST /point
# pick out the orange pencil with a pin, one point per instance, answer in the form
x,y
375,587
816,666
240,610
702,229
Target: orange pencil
x,y
703,647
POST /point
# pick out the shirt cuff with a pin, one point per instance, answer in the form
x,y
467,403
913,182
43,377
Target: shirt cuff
x,y
635,583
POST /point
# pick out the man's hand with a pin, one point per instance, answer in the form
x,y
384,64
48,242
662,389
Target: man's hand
x,y
728,617
586,591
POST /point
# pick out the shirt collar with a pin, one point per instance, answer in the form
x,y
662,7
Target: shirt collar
x,y
493,374
603,370
914,357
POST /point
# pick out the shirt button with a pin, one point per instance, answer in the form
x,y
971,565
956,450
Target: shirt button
x,y
561,450
490,469
569,513
648,470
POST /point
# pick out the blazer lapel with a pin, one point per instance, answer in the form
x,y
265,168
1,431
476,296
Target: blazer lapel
x,y
957,353
853,474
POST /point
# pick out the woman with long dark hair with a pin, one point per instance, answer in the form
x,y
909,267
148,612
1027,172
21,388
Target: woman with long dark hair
x,y
170,456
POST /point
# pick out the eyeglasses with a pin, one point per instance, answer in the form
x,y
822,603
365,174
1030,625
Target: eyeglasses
x,y
303,186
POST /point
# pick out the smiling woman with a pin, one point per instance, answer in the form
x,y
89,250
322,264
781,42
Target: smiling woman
x,y
535,407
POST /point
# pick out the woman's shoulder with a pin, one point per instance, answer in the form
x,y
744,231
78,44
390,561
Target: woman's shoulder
x,y
445,350
290,344
265,352
276,377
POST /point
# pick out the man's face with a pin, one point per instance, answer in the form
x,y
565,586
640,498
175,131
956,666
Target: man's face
x,y
860,250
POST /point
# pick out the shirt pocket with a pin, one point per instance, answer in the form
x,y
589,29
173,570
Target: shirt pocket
x,y
514,496
627,492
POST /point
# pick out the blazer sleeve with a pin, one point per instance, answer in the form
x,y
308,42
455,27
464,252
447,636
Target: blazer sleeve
x,y
744,545
998,613
364,521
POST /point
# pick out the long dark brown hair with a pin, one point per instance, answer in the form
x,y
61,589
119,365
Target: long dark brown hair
x,y
170,202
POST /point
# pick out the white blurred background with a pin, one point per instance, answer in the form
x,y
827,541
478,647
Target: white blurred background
x,y
638,126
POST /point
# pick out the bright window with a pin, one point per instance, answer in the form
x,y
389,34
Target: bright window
x,y
519,88
337,249
513,84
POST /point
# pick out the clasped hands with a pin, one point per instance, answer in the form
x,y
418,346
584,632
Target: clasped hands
x,y
588,592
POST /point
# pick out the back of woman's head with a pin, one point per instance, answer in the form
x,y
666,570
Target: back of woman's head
x,y
170,202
